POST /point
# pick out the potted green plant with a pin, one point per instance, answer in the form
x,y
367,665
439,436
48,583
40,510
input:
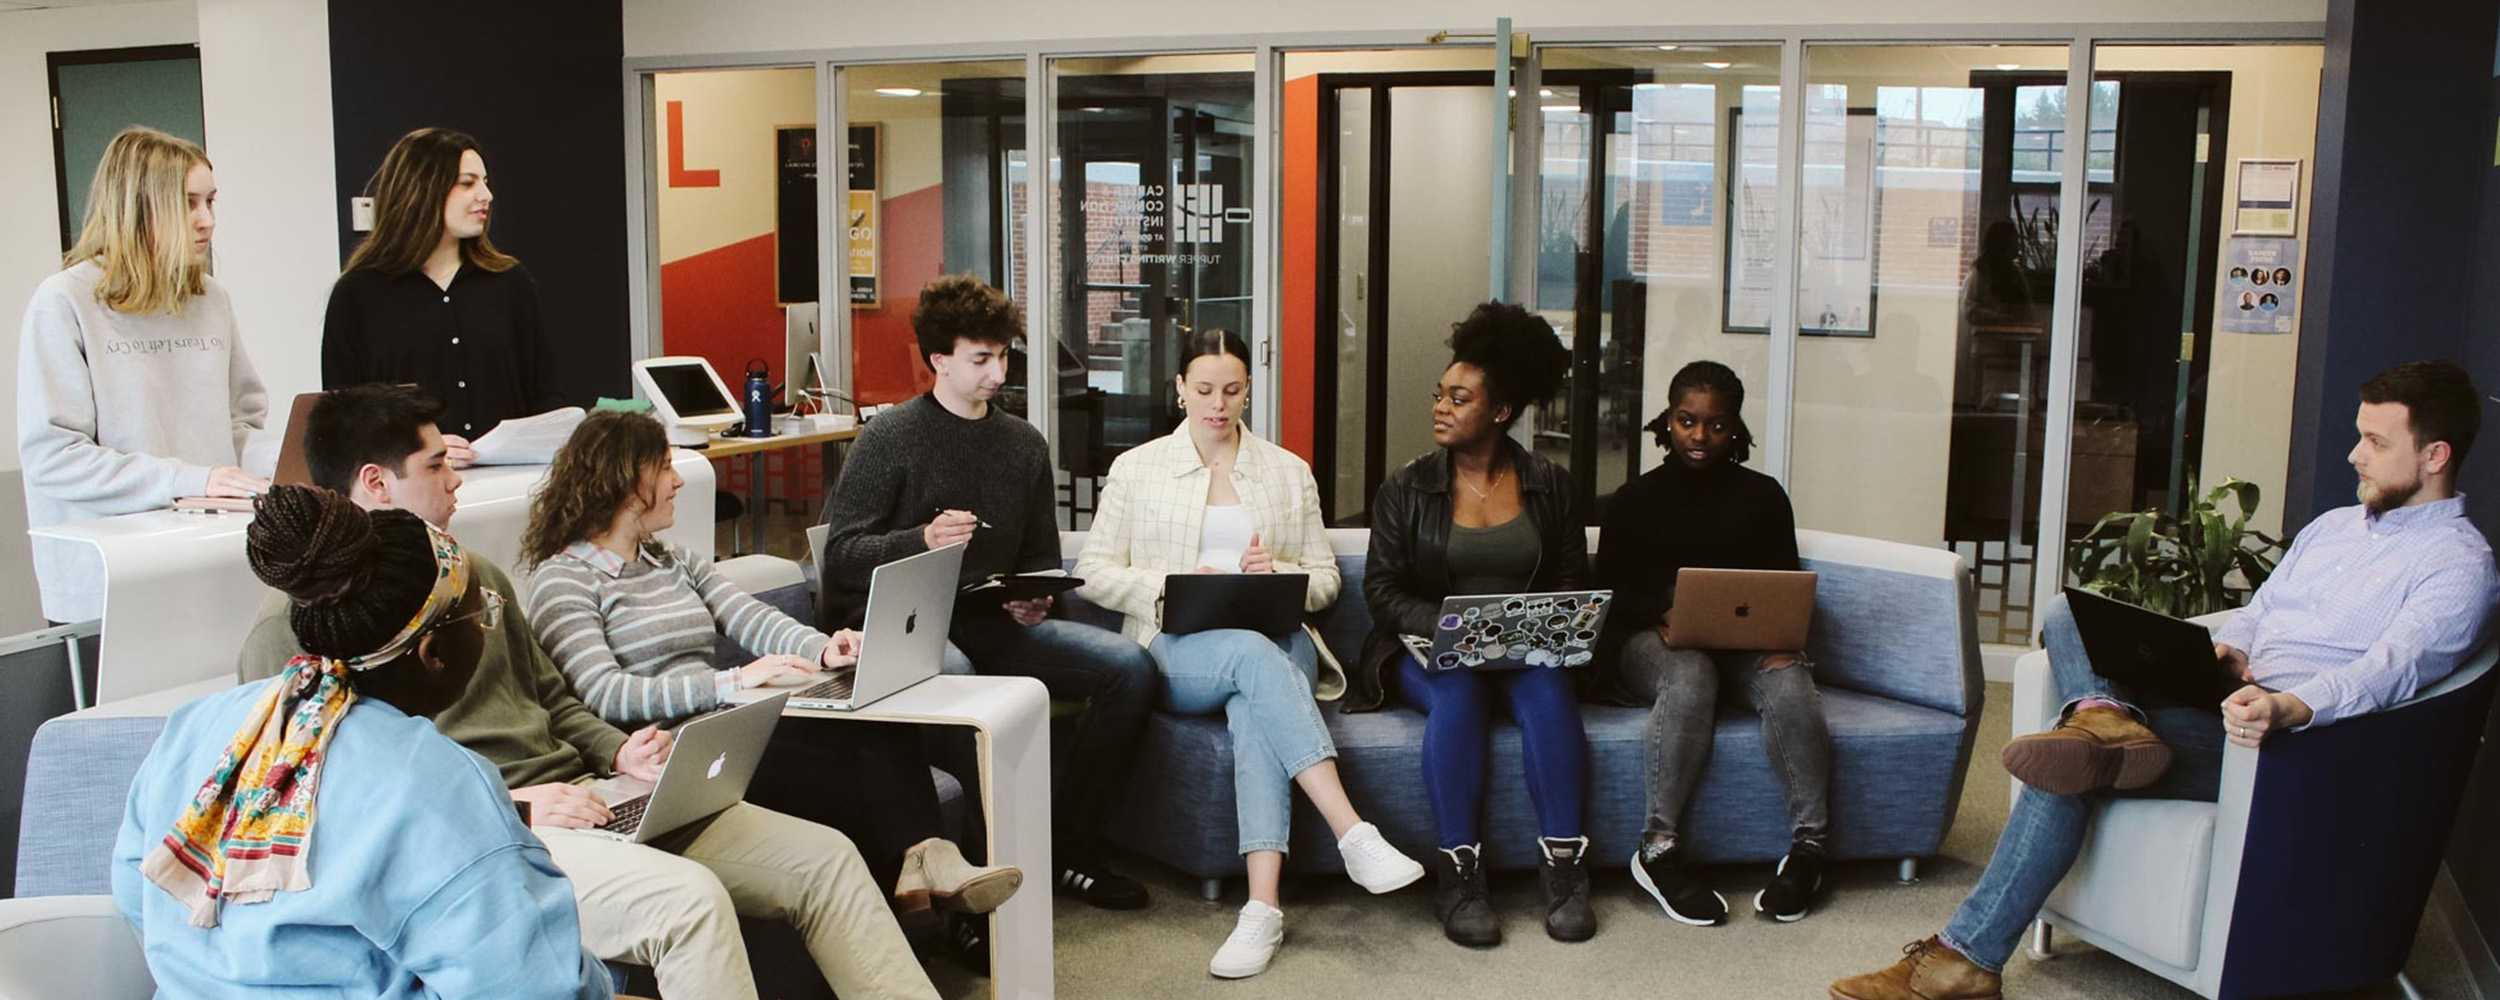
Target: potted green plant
x,y
2179,565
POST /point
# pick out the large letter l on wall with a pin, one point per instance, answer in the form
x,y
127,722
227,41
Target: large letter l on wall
x,y
678,175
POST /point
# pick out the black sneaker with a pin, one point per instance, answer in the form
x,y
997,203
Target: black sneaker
x,y
1563,881
1099,886
1465,911
1660,869
968,939
1793,884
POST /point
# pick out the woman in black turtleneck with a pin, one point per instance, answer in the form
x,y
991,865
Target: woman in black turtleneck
x,y
1702,508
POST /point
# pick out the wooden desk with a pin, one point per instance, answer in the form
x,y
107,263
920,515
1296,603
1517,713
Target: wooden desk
x,y
752,448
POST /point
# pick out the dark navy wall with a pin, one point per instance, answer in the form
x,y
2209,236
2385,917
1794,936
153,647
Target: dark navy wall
x,y
2404,141
2474,852
540,86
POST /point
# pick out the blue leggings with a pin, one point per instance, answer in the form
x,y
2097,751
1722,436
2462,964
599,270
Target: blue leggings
x,y
1458,707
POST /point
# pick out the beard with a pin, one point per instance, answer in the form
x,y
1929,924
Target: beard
x,y
2383,497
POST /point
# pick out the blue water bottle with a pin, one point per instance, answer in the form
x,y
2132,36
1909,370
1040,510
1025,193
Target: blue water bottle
x,y
759,399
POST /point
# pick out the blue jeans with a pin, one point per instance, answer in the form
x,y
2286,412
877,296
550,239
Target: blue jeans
x,y
1264,687
1458,718
1077,662
2044,832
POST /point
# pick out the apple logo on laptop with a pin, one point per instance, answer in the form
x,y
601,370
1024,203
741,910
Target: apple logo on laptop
x,y
911,621
1743,610
714,772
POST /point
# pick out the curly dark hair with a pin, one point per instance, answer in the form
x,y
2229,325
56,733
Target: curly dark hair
x,y
1712,377
1522,359
355,577
963,307
595,474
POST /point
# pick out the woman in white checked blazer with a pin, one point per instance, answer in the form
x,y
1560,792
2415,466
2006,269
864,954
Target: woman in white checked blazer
x,y
1210,497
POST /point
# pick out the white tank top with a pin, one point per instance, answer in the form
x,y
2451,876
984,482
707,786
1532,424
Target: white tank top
x,y
1224,537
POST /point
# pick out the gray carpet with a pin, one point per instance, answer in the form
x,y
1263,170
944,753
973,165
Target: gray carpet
x,y
1342,942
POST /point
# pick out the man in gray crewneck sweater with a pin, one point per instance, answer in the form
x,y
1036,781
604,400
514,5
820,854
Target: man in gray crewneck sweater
x,y
948,467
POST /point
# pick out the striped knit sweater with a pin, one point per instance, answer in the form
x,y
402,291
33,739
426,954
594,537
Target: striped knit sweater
x,y
638,639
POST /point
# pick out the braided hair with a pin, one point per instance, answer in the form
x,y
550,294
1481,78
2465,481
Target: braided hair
x,y
1711,377
1522,359
354,577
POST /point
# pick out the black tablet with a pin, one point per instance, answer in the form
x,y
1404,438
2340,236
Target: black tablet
x,y
1267,603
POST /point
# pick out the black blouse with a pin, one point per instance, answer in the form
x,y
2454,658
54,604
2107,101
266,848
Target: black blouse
x,y
1725,517
478,345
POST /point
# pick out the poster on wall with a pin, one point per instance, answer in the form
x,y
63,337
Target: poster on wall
x,y
861,217
794,214
2269,198
2261,284
1835,229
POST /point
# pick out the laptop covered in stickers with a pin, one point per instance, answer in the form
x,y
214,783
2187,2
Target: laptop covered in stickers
x,y
1513,631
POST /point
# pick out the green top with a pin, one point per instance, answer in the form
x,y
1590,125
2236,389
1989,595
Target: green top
x,y
518,712
1500,559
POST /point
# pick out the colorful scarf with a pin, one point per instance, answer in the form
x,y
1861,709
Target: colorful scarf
x,y
247,832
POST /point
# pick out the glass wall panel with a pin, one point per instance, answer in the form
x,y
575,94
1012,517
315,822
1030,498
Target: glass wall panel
x,y
936,166
1151,240
2186,344
1660,164
1926,254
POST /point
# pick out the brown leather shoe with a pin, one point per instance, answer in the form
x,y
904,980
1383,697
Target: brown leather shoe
x,y
1927,971
2095,748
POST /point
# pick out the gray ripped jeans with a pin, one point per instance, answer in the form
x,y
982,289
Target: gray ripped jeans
x,y
1682,686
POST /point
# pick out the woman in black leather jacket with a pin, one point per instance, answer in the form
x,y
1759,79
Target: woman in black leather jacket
x,y
1483,515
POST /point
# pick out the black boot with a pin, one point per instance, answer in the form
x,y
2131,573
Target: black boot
x,y
1564,882
1465,911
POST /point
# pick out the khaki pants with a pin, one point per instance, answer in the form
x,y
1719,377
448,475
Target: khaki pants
x,y
674,905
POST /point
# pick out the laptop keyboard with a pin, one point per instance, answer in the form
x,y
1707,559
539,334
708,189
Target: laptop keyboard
x,y
627,815
836,689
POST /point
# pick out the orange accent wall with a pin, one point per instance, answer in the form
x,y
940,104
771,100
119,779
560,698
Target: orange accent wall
x,y
1298,287
885,361
719,305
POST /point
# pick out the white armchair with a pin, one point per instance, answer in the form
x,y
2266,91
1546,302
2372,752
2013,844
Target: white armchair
x,y
65,947
2309,873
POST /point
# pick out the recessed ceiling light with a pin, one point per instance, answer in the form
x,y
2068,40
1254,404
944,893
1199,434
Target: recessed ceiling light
x,y
2009,66
1669,48
1560,108
900,91
1545,92
1718,64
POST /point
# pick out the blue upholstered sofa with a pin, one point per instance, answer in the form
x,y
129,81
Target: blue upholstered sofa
x,y
1895,652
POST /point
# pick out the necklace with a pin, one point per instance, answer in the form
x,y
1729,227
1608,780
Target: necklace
x,y
1488,485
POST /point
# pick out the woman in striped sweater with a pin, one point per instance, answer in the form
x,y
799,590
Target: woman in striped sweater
x,y
632,621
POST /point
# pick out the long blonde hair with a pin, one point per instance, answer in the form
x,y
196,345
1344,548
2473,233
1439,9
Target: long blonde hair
x,y
138,223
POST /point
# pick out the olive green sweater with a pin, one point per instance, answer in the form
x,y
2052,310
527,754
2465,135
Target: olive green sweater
x,y
518,712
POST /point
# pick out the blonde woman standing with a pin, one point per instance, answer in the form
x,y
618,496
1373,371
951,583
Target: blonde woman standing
x,y
1211,497
132,385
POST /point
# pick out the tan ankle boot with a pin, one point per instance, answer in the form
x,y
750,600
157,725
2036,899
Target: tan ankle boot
x,y
2095,748
935,873
1927,971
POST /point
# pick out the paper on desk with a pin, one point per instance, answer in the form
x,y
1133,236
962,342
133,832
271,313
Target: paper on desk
x,y
530,440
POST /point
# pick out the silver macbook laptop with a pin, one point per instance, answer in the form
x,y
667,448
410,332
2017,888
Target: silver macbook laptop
x,y
1512,631
707,771
911,604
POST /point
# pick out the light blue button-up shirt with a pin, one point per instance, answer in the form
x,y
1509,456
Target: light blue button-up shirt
x,y
2365,611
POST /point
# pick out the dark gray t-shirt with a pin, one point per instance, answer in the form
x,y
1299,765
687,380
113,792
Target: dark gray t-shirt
x,y
1500,559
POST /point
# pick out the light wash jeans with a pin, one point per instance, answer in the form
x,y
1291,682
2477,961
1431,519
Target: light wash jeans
x,y
1263,685
2045,832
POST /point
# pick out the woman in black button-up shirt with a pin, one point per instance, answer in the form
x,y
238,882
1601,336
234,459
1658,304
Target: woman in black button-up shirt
x,y
427,299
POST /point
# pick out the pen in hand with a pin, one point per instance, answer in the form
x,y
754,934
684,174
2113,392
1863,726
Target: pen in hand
x,y
975,520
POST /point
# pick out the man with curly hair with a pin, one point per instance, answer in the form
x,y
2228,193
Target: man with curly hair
x,y
948,467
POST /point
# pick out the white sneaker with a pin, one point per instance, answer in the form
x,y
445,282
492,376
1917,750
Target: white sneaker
x,y
1373,864
1252,944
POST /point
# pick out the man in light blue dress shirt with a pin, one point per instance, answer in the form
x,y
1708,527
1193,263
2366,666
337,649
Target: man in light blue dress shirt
x,y
2374,603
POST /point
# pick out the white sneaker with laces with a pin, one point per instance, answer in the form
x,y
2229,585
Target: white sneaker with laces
x,y
1252,944
1375,865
